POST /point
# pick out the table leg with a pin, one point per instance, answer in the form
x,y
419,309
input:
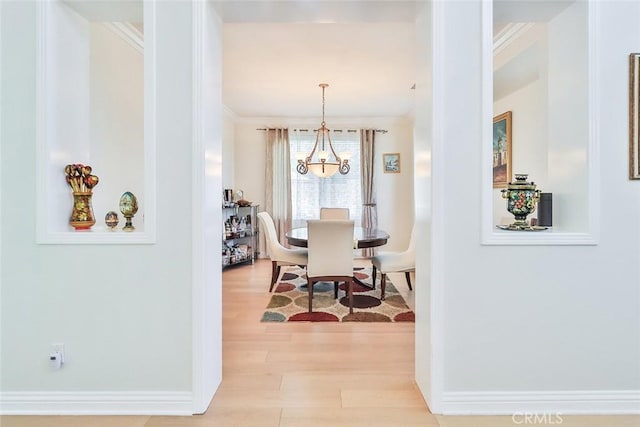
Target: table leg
x,y
366,285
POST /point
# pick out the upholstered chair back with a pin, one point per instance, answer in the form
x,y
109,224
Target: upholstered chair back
x,y
330,246
274,248
279,255
334,213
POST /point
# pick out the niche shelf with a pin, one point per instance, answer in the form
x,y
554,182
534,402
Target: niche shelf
x,y
568,165
76,123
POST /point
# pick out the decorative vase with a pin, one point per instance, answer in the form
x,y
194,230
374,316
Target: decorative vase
x,y
81,181
128,207
522,198
82,214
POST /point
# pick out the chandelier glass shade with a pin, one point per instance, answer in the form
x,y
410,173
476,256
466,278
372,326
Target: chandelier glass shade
x,y
323,160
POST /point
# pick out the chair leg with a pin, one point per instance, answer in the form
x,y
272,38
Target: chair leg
x,y
310,292
407,274
275,273
383,285
373,277
349,285
335,290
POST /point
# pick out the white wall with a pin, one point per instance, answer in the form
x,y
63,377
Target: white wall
x,y
228,150
249,148
208,140
117,122
568,118
428,380
68,126
558,323
394,191
117,308
529,135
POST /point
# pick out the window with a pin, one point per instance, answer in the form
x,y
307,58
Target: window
x,y
309,193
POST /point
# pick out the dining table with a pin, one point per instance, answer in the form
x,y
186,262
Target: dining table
x,y
363,238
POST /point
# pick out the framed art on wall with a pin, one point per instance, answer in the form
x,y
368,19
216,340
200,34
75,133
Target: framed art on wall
x,y
634,115
391,162
502,150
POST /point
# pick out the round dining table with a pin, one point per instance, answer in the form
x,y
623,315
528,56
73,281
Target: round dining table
x,y
365,237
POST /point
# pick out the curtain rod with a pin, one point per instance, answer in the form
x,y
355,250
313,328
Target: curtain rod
x,y
334,130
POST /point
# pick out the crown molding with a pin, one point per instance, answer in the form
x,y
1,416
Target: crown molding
x,y
509,34
230,113
333,123
129,33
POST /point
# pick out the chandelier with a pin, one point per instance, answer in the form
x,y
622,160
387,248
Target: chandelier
x,y
323,161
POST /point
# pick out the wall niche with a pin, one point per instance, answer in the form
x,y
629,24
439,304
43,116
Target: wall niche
x,y
539,66
96,106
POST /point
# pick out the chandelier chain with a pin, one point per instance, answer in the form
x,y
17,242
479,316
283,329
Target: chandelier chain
x,y
323,86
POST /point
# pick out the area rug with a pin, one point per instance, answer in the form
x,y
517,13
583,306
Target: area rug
x,y
290,301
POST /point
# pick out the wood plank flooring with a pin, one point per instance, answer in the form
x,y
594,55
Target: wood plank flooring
x,y
312,373
308,374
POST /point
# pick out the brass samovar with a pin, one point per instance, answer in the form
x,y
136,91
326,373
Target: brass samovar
x,y
522,199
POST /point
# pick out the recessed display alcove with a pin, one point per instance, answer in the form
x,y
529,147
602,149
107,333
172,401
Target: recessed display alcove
x,y
539,69
96,106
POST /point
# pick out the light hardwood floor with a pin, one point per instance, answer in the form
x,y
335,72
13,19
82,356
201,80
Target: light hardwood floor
x,y
308,374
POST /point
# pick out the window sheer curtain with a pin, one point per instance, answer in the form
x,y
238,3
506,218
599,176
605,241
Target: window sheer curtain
x,y
278,181
369,209
310,193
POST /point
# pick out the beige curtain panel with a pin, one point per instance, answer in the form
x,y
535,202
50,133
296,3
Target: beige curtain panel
x,y
278,181
369,209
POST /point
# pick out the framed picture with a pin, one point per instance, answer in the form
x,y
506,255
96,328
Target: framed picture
x,y
502,150
391,162
634,115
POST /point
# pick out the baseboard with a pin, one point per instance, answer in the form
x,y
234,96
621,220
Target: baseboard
x,y
563,402
96,403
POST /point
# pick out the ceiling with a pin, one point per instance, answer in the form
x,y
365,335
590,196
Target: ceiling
x,y
275,53
275,69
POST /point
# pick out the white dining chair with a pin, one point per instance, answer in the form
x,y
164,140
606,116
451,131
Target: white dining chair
x,y
394,262
330,259
278,254
334,213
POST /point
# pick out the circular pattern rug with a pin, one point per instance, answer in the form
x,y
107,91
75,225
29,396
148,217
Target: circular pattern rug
x,y
290,301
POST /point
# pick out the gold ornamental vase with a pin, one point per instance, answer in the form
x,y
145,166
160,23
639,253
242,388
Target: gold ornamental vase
x,y
82,217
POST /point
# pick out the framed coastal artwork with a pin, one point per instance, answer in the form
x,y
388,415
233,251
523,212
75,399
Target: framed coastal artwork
x,y
634,116
501,150
391,162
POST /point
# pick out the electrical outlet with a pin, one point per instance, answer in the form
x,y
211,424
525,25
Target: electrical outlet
x,y
58,348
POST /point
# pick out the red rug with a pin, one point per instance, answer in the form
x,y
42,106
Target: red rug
x,y
290,301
